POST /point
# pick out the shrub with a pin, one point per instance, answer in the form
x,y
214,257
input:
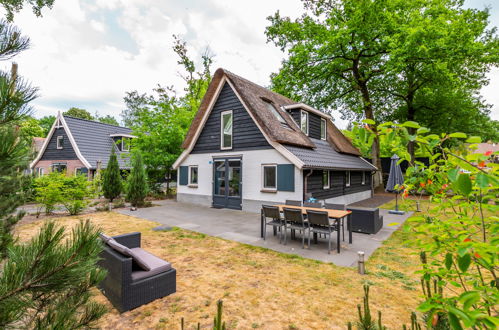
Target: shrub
x,y
137,188
75,191
111,179
49,190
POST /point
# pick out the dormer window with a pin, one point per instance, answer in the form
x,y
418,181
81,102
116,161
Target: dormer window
x,y
323,129
122,141
304,122
125,144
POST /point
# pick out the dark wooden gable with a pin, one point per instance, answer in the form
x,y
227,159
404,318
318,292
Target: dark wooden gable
x,y
52,153
245,134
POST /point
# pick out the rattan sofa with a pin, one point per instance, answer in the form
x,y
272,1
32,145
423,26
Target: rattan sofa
x,y
126,285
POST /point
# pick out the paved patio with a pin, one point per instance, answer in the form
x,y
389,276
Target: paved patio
x,y
244,227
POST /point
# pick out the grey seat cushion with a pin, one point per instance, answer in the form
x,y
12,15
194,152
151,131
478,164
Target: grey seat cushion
x,y
105,238
155,264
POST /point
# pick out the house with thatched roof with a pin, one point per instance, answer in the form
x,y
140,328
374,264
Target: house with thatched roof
x,y
249,146
80,146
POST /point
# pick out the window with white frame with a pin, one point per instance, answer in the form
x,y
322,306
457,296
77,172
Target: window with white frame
x,y
59,167
325,180
363,177
60,142
269,175
276,113
347,178
39,171
304,121
226,130
323,129
125,144
193,175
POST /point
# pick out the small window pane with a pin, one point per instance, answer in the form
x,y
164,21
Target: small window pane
x,y
325,179
227,130
194,175
347,178
269,177
304,122
323,129
60,142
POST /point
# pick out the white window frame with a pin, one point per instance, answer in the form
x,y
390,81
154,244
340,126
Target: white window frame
x,y
190,184
328,184
302,112
363,177
76,170
39,171
123,144
222,147
263,177
347,179
60,137
325,129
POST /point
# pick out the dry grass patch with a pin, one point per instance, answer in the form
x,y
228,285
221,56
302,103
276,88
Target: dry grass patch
x,y
260,288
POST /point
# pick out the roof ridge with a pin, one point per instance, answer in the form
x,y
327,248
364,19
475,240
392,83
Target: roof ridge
x,y
95,121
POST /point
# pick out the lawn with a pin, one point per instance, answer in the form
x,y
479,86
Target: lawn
x,y
260,288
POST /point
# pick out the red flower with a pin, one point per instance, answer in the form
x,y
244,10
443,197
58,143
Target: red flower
x,y
406,193
422,184
445,186
481,164
477,255
429,181
488,153
467,240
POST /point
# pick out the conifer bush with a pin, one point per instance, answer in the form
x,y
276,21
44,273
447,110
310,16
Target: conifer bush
x,y
137,187
111,179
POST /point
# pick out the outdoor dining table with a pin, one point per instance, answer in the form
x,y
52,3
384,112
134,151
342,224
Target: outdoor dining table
x,y
337,215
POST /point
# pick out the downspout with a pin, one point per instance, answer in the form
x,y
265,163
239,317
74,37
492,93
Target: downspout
x,y
305,181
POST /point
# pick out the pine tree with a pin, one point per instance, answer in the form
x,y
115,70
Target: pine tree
x,y
137,182
46,282
111,179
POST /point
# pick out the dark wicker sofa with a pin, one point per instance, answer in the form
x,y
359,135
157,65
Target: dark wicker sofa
x,y
126,285
365,220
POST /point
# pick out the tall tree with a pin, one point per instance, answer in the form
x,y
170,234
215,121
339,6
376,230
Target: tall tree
x,y
107,119
79,113
137,187
46,123
337,55
439,52
161,121
45,282
111,179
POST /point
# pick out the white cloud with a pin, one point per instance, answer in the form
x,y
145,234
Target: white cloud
x,y
89,53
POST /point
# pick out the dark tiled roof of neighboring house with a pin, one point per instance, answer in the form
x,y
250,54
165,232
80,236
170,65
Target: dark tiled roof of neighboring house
x,y
254,96
94,141
326,157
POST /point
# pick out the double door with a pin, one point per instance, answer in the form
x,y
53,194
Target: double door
x,y
227,183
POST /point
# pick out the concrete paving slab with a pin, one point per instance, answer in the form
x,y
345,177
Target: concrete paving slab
x,y
244,227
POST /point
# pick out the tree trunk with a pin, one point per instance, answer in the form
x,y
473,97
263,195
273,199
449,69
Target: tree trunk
x,y
411,111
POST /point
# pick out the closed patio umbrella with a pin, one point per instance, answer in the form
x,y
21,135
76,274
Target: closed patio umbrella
x,y
395,178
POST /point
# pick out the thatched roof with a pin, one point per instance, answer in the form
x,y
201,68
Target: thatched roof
x,y
254,98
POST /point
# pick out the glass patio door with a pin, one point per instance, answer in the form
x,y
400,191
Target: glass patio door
x,y
227,176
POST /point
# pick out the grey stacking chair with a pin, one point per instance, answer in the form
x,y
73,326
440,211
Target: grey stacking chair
x,y
294,220
292,202
310,204
342,207
272,213
319,223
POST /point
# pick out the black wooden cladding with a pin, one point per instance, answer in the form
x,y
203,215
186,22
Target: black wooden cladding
x,y
52,153
245,134
337,185
314,122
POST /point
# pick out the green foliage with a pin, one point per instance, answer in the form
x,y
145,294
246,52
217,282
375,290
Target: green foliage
x,y
107,119
111,179
46,282
79,113
366,321
161,121
218,324
14,6
137,188
30,128
46,124
57,188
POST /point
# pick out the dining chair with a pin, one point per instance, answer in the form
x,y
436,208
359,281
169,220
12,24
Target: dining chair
x,y
293,202
342,207
320,224
272,213
312,204
294,220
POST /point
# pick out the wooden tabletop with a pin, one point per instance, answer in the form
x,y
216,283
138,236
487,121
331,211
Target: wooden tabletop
x,y
336,214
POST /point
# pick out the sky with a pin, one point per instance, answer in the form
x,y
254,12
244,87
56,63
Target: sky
x,y
89,53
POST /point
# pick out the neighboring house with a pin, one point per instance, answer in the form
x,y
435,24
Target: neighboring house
x,y
37,145
248,146
81,146
489,149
